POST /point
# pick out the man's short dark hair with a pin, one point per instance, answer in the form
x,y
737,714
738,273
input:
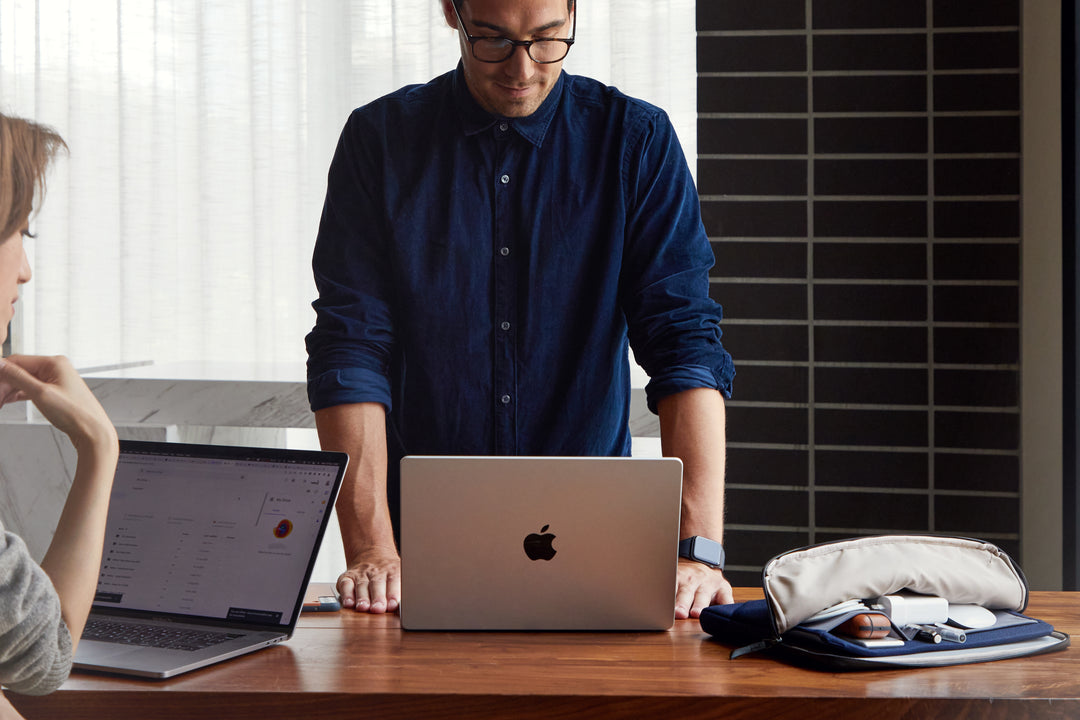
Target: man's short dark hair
x,y
569,4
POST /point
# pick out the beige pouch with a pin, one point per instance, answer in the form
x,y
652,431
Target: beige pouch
x,y
801,583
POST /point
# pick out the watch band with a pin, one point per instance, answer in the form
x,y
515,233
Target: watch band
x,y
703,550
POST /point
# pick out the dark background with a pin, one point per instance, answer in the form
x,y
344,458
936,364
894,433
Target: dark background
x,y
1070,70
859,172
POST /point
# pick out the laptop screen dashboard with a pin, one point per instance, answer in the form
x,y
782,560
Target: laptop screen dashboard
x,y
214,532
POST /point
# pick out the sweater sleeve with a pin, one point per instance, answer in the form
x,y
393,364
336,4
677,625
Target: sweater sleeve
x,y
35,645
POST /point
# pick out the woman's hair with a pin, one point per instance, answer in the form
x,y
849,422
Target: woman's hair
x,y
26,149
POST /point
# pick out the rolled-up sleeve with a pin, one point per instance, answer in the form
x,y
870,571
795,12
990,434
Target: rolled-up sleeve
x,y
35,645
350,347
674,324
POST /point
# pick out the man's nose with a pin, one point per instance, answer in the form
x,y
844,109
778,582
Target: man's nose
x,y
519,64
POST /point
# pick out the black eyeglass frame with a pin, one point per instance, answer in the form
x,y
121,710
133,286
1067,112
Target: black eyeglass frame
x,y
514,44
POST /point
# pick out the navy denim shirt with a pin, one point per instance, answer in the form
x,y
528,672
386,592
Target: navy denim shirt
x,y
481,276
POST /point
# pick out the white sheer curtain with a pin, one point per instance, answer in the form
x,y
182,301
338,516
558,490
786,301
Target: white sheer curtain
x,y
180,228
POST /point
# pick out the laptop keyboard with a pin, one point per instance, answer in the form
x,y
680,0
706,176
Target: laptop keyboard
x,y
155,636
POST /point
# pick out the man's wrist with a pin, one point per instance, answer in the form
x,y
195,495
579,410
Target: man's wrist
x,y
703,550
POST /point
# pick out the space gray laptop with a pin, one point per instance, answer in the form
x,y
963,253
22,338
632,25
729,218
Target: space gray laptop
x,y
539,543
208,552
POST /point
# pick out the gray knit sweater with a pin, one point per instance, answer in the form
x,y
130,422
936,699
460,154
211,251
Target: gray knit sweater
x,y
35,645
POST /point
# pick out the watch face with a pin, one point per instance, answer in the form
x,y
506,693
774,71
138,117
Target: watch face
x,y
708,551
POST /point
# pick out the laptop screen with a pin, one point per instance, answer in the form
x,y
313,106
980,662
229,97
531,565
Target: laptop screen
x,y
215,532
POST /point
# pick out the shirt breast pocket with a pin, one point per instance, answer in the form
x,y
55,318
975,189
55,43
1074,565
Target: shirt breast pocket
x,y
569,215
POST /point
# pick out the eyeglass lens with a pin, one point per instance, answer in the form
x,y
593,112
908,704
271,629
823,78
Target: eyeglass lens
x,y
499,49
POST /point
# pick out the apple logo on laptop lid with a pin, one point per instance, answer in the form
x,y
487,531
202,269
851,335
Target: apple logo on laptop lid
x,y
538,546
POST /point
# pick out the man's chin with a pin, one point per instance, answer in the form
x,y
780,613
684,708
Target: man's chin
x,y
515,107
509,108
517,111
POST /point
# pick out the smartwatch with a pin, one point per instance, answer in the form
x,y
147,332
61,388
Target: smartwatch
x,y
702,550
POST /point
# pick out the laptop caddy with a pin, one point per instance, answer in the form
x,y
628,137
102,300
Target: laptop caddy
x,y
208,552
539,543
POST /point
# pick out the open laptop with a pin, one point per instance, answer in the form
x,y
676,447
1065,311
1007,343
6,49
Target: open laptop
x,y
208,552
539,543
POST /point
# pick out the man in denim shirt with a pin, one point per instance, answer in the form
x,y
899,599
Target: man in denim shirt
x,y
491,244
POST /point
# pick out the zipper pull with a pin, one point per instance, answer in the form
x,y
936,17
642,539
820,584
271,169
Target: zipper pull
x,y
755,647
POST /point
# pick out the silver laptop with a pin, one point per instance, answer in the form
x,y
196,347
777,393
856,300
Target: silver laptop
x,y
208,552
539,543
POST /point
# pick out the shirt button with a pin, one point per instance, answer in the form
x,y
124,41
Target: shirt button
x,y
504,126
504,251
505,399
505,325
504,179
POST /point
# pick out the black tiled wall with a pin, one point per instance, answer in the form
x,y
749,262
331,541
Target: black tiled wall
x,y
859,171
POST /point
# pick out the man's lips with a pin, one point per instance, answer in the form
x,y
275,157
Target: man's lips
x,y
516,91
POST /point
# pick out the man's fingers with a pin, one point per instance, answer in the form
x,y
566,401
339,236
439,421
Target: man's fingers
x,y
345,588
703,598
384,590
700,587
393,592
370,589
376,593
724,596
684,599
359,586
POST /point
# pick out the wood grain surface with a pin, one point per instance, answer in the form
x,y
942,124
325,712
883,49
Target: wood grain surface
x,y
343,665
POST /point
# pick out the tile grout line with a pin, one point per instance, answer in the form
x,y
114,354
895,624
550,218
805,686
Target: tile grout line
x,y
811,454
931,232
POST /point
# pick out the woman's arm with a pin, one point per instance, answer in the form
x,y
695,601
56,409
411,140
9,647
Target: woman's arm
x,y
73,560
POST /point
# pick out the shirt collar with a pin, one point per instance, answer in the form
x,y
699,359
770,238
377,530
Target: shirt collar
x,y
475,119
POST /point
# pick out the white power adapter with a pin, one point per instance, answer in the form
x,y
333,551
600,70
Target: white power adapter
x,y
908,609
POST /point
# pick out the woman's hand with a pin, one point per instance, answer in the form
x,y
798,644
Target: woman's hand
x,y
74,556
54,387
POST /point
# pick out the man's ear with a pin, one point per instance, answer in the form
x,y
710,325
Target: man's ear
x,y
448,13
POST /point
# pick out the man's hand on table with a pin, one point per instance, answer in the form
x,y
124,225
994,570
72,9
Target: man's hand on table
x,y
699,586
373,583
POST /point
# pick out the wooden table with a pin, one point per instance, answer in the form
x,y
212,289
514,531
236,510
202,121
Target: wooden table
x,y
340,665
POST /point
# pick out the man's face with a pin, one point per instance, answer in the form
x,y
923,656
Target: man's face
x,y
517,86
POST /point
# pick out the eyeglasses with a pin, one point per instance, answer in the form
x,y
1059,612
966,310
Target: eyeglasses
x,y
499,49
